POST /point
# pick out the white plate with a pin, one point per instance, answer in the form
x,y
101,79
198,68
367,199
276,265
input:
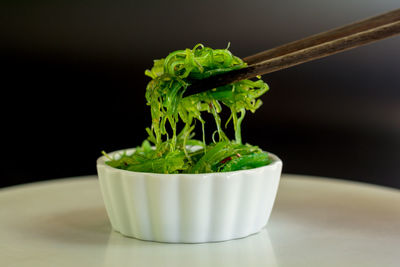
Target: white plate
x,y
315,222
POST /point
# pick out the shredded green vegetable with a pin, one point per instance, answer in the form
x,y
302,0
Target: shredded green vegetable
x,y
177,151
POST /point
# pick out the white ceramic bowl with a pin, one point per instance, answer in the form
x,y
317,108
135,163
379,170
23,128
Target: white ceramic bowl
x,y
189,208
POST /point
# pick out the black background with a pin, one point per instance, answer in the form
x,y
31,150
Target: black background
x,y
73,83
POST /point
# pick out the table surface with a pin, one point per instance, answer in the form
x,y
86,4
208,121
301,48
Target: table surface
x,y
315,222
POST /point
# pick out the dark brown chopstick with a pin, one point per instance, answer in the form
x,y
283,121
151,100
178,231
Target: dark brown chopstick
x,y
307,49
323,37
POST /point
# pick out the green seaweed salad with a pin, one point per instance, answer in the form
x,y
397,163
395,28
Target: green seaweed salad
x,y
169,150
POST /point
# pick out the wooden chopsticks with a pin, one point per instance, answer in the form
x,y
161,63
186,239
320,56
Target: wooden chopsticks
x,y
307,49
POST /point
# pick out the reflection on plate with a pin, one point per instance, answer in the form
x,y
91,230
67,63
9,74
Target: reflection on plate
x,y
122,251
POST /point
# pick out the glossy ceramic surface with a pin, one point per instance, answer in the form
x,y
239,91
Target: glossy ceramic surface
x,y
315,222
189,208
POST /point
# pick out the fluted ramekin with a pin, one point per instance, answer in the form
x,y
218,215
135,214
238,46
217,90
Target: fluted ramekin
x,y
189,208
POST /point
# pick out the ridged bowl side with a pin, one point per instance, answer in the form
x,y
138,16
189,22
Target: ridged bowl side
x,y
189,208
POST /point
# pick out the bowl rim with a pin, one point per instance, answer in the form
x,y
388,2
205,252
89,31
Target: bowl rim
x,y
101,161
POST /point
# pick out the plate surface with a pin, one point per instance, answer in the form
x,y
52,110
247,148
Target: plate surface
x,y
315,222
